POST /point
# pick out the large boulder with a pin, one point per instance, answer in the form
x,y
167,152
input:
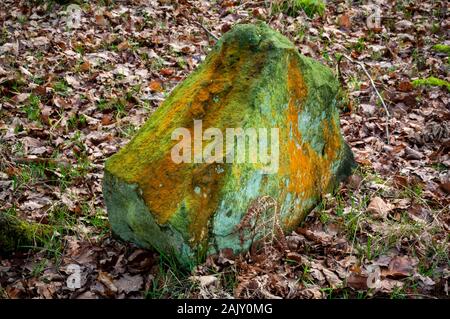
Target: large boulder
x,y
161,192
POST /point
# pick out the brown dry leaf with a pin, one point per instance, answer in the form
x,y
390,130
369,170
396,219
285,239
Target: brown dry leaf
x,y
344,21
16,290
106,280
318,275
379,208
400,267
100,20
332,278
311,293
72,81
155,86
357,281
403,203
60,102
19,98
166,71
400,181
354,182
405,86
204,281
317,236
425,280
412,154
388,285
87,295
123,45
45,290
85,66
129,283
445,186
106,119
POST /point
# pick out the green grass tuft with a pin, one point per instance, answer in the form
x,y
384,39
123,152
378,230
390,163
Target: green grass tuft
x,y
293,7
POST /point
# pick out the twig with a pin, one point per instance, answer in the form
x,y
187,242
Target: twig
x,y
388,115
206,30
39,160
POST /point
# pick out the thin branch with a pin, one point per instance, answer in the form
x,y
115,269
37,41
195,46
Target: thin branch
x,y
39,160
206,30
388,115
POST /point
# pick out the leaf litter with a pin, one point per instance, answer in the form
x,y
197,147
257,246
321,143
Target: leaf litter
x,y
71,99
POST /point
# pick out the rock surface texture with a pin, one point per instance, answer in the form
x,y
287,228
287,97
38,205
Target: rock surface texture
x,y
253,78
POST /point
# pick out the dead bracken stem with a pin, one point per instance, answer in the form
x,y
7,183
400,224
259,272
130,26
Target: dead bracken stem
x,y
207,31
255,212
388,115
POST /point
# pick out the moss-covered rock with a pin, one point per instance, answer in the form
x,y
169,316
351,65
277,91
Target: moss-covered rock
x,y
253,78
16,233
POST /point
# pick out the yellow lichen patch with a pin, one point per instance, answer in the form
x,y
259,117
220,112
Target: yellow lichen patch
x,y
203,197
166,187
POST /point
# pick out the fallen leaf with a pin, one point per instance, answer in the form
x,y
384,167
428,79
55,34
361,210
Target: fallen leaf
x,y
344,21
85,66
311,293
129,283
332,278
100,20
166,71
107,119
400,267
412,154
19,98
379,208
123,46
368,109
16,290
354,182
204,281
445,187
106,280
404,25
357,281
317,236
155,86
405,86
87,295
388,285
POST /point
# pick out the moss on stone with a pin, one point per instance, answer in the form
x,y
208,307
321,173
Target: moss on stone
x,y
253,78
16,233
441,48
432,81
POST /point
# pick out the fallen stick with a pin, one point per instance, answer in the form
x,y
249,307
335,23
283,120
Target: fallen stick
x,y
388,115
206,30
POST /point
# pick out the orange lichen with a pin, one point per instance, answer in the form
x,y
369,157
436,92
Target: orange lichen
x,y
309,172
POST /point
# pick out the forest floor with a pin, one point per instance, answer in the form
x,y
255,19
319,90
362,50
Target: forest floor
x,y
71,97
